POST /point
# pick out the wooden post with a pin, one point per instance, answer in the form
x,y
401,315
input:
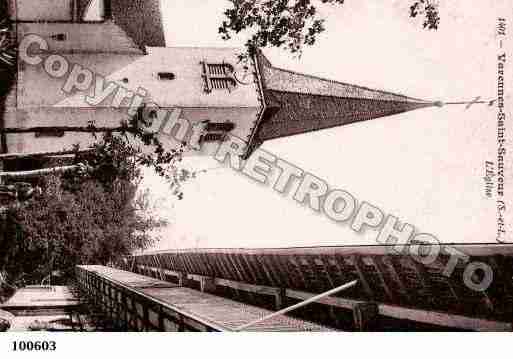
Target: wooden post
x,y
298,305
183,281
181,324
208,285
334,316
124,301
279,299
161,325
146,318
365,314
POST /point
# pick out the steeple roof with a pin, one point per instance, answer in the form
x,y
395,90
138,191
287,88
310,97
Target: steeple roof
x,y
299,103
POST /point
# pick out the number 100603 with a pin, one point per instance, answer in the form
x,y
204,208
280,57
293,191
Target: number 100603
x,y
34,346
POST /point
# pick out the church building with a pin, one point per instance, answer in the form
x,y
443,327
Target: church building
x,y
121,44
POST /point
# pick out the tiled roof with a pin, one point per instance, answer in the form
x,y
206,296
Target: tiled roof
x,y
384,276
298,103
285,80
141,20
297,113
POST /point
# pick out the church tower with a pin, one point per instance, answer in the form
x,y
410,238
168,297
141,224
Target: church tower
x,y
100,35
117,64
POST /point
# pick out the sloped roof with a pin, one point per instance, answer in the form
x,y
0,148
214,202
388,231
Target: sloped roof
x,y
299,103
140,19
285,80
384,276
297,113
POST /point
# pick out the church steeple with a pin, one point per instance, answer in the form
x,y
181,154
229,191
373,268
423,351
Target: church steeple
x,y
298,103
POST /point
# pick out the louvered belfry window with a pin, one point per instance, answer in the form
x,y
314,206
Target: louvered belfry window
x,y
218,76
220,126
214,137
58,37
216,131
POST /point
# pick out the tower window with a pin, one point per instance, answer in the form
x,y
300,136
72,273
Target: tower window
x,y
220,126
223,83
217,131
220,69
214,137
166,76
58,37
218,76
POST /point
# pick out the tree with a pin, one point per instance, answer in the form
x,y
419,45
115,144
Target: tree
x,y
7,65
90,210
92,217
4,325
428,9
7,44
293,24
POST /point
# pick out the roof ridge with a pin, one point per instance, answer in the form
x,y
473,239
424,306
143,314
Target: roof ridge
x,y
349,84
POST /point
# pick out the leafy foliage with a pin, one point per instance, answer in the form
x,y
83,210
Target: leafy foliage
x,y
7,45
289,23
4,325
93,216
293,24
7,41
88,219
428,9
7,63
143,148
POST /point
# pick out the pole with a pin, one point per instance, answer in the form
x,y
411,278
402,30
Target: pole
x,y
42,172
17,156
298,305
46,129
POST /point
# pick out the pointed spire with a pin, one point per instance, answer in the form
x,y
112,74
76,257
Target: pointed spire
x,y
298,103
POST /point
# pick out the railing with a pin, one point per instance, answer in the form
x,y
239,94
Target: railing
x,y
397,285
133,309
141,303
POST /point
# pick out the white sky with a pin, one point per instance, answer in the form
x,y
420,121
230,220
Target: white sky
x,y
425,167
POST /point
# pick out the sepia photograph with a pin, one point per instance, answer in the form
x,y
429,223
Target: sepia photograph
x,y
254,166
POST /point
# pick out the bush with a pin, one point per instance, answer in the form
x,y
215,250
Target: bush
x,y
86,218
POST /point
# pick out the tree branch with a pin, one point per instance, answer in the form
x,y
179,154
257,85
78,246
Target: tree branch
x,y
53,129
17,156
42,172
